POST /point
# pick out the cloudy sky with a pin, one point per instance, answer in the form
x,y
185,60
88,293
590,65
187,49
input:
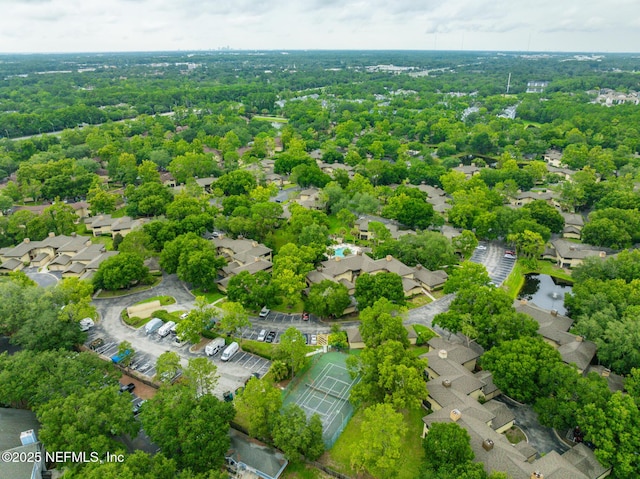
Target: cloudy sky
x,y
147,25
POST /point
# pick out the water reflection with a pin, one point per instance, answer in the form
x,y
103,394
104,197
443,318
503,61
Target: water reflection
x,y
545,291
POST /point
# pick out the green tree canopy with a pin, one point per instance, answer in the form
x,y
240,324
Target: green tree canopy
x,y
260,402
379,450
372,287
517,366
194,431
327,299
120,271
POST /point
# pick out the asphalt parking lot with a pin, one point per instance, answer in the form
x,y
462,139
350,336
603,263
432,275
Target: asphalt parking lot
x,y
493,258
286,318
141,362
251,362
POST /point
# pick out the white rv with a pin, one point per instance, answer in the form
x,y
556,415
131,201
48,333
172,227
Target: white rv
x,y
166,328
214,347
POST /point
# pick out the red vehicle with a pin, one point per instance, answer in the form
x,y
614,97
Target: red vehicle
x,y
305,316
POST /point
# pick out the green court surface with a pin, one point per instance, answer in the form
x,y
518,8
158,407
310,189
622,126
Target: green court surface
x,y
324,390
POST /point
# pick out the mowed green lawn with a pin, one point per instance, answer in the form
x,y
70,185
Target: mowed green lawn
x,y
339,456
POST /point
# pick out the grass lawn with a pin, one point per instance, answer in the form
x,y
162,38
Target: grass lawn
x,y
424,332
418,301
298,470
513,284
210,296
296,308
275,119
125,292
339,456
107,241
133,321
164,300
515,435
119,213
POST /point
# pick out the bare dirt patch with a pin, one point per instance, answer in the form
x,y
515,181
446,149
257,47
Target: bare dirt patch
x,y
142,390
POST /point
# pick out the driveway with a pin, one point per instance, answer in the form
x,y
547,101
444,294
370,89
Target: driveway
x,y
543,439
424,314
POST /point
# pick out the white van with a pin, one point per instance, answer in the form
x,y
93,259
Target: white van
x,y
230,351
166,328
214,347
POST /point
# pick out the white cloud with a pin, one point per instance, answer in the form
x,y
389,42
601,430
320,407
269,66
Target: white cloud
x,y
108,25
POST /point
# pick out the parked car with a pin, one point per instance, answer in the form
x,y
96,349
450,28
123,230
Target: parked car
x,y
127,387
96,343
314,340
510,256
117,358
137,407
271,336
264,312
86,324
305,316
227,396
481,247
253,375
262,334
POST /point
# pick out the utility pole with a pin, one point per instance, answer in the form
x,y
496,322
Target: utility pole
x,y
508,83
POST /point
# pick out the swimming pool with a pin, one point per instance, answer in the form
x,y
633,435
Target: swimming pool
x,y
339,250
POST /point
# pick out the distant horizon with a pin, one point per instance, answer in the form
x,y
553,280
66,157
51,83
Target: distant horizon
x,y
311,50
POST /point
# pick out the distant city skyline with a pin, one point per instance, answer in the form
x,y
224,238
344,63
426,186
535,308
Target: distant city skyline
x,y
51,26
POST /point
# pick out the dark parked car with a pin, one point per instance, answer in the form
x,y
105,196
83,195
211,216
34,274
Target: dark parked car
x,y
270,337
227,396
128,387
96,343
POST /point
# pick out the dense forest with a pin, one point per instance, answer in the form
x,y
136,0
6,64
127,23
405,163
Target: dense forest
x,y
291,150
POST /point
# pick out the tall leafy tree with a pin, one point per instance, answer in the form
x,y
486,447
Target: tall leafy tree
x,y
120,271
292,349
194,431
197,320
379,450
615,430
30,379
87,421
390,374
260,403
328,299
382,321
167,366
517,366
253,291
447,446
466,275
234,317
372,287
293,434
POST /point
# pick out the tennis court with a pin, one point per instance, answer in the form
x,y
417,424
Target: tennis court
x,y
324,390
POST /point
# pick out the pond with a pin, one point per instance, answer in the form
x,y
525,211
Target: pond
x,y
545,291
